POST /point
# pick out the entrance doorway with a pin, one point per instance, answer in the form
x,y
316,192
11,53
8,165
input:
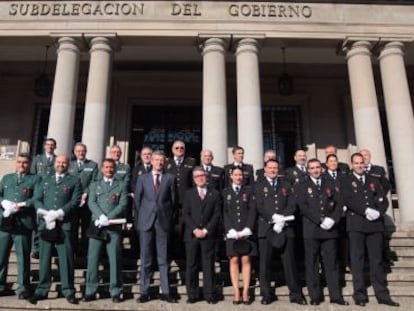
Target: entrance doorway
x,y
159,126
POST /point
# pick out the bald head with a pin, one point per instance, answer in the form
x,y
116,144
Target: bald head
x,y
61,164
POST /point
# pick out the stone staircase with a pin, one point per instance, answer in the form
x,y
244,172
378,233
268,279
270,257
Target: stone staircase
x,y
400,279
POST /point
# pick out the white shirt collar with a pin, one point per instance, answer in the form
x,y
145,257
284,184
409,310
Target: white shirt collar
x,y
316,179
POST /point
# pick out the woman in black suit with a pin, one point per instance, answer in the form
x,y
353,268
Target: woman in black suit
x,y
239,215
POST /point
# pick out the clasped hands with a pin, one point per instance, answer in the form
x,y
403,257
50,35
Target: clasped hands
x,y
372,214
11,207
236,235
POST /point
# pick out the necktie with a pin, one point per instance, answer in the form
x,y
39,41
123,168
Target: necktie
x,y
147,168
318,184
80,165
49,160
58,179
201,194
303,169
157,183
334,175
19,178
178,163
108,184
361,179
273,184
237,189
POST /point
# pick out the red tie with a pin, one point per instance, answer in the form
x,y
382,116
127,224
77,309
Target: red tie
x,y
157,183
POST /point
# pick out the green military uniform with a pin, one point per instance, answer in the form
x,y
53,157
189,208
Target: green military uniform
x,y
122,173
18,189
43,167
64,195
110,200
86,172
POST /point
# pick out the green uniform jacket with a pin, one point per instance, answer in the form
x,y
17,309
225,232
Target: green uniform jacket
x,y
87,173
108,200
23,191
64,195
41,166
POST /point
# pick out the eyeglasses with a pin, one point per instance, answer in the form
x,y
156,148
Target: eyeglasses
x,y
176,148
200,175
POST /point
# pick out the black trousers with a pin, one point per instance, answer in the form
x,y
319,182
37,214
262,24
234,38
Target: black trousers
x,y
314,250
373,243
287,255
203,250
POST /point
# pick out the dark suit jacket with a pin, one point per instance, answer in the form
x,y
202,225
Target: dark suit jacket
x,y
215,178
315,205
182,174
239,210
294,175
138,170
199,214
151,206
269,201
379,172
358,197
248,174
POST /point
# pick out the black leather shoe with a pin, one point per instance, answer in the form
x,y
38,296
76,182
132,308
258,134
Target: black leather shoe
x,y
360,303
211,301
315,302
236,302
117,299
7,292
35,255
340,302
24,295
72,300
300,301
388,302
247,302
267,300
143,298
191,300
35,298
89,298
168,298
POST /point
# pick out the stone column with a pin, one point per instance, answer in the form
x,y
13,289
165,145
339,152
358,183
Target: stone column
x,y
367,122
249,110
97,98
62,110
214,99
400,124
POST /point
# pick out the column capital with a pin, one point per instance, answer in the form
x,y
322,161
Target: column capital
x,y
391,48
69,44
247,45
357,48
104,41
214,44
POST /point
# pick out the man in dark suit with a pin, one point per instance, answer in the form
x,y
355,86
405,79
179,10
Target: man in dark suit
x,y
86,170
269,154
201,209
238,157
342,167
321,209
43,165
274,201
295,174
154,199
215,174
142,167
367,202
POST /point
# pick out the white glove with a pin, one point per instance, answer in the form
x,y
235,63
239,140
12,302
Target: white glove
x,y
7,204
232,234
51,225
50,217
245,232
344,208
371,214
277,218
327,223
277,227
60,214
103,220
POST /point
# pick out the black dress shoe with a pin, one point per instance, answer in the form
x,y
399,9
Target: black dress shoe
x,y
360,303
35,255
168,298
89,298
191,300
388,302
35,298
211,301
237,302
7,292
143,298
299,300
267,300
117,299
315,302
340,302
247,302
24,295
72,300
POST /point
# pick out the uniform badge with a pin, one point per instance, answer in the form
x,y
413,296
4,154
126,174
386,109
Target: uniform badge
x,y
328,192
284,191
265,190
25,191
228,197
354,184
168,166
295,173
114,197
372,187
310,190
337,189
65,189
244,196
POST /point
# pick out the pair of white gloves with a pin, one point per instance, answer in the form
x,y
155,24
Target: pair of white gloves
x,y
372,214
233,234
327,223
279,222
102,221
9,207
51,216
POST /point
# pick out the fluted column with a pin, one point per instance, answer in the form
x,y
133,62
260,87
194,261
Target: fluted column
x,y
97,98
400,124
62,110
214,99
249,110
368,131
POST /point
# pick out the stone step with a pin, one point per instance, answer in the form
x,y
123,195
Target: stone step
x,y
402,242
